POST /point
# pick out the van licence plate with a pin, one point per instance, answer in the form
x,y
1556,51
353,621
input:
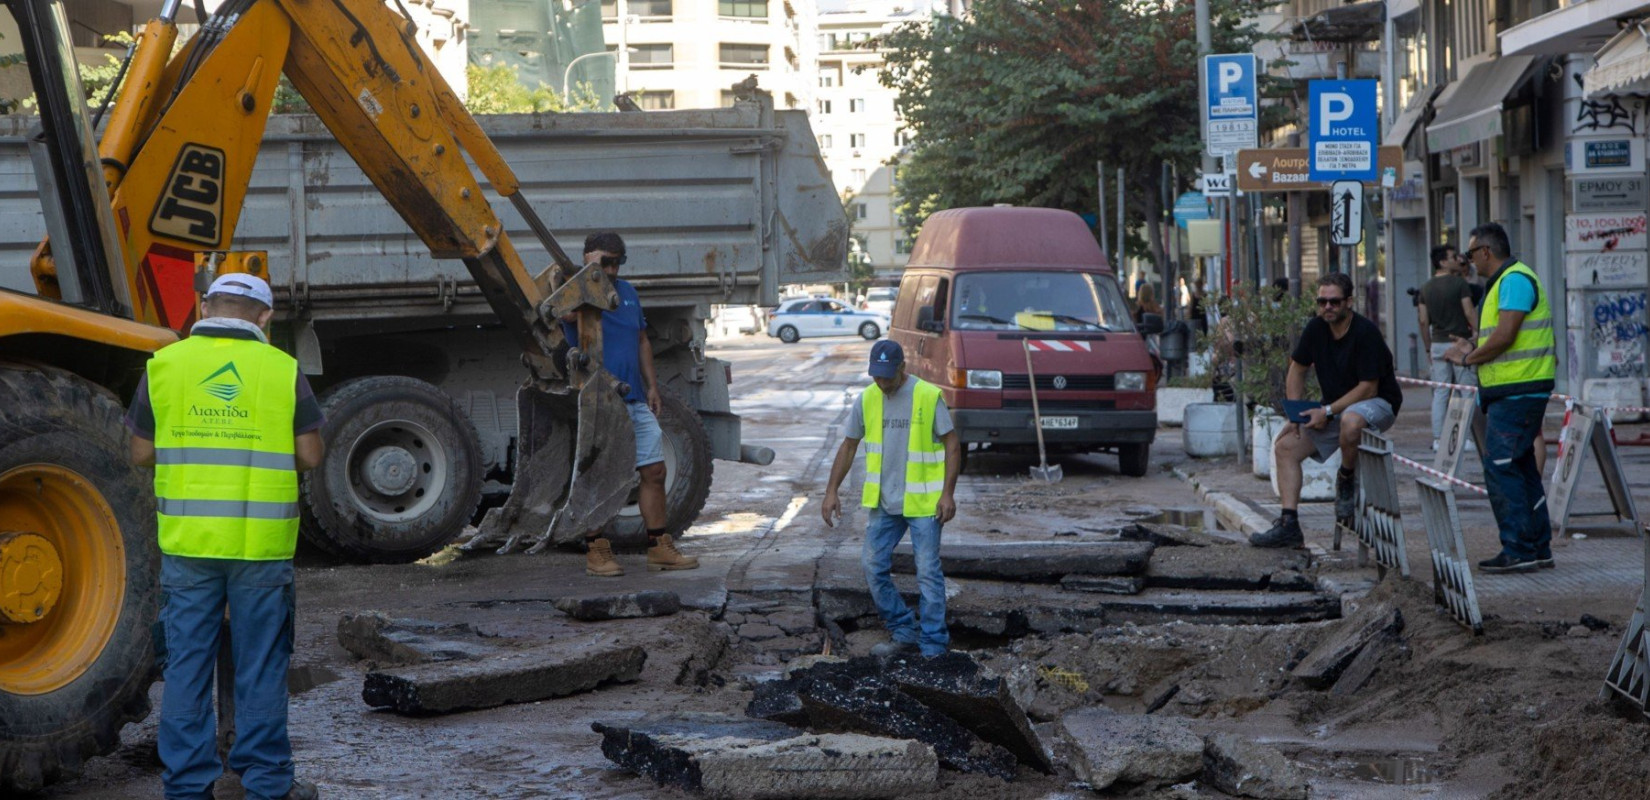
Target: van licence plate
x,y
1059,423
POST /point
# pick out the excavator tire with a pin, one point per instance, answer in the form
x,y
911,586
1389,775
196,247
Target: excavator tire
x,y
71,678
688,468
401,476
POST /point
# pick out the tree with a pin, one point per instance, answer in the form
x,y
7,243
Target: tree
x,y
1017,103
498,90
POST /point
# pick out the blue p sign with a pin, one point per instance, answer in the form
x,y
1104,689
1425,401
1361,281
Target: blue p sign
x,y
1345,131
1230,103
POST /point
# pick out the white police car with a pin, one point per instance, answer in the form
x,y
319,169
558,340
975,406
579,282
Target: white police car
x,y
823,316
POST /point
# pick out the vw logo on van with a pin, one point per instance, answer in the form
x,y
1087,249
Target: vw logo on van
x,y
1059,381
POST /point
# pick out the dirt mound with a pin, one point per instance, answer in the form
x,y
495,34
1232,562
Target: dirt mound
x,y
1589,753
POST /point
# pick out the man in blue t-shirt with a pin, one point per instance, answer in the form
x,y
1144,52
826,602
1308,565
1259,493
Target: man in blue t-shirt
x,y
627,354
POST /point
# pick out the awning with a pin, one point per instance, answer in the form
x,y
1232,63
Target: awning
x,y
1469,110
1404,125
1355,22
1576,28
1621,67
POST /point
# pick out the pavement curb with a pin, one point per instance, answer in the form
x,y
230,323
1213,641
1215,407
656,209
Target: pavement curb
x,y
1235,514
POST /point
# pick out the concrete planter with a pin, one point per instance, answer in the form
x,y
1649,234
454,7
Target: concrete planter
x,y
1211,430
1263,429
1317,480
1172,402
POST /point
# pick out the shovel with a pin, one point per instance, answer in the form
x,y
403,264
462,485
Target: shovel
x,y
1042,471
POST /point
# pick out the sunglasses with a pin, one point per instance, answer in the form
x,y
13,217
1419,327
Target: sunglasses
x,y
1472,250
1330,302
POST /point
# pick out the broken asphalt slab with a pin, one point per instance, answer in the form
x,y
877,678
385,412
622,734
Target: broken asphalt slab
x,y
375,637
1169,535
1035,562
1105,747
1227,566
1237,766
506,676
857,696
594,608
955,685
744,759
1324,664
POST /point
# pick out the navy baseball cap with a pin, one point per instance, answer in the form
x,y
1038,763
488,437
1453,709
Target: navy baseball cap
x,y
886,356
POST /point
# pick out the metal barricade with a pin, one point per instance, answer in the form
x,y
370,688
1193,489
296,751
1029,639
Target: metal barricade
x,y
1629,673
1378,524
1452,587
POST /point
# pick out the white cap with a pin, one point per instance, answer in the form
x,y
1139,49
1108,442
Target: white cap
x,y
238,283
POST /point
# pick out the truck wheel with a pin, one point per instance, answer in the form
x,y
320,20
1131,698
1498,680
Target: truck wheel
x,y
688,468
401,476
870,331
81,563
1133,459
788,334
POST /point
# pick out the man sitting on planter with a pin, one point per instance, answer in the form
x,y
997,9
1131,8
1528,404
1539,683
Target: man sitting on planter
x,y
1360,389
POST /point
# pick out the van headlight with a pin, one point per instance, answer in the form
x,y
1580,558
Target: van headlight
x,y
1130,381
985,379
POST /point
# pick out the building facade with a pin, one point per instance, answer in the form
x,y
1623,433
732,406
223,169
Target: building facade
x,y
689,53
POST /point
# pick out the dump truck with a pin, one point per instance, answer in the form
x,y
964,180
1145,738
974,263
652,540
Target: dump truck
x,y
429,356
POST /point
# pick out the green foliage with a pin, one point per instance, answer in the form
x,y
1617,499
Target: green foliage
x,y
499,90
1258,331
1017,103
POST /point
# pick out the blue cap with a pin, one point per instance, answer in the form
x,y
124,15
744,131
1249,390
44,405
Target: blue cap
x,y
886,356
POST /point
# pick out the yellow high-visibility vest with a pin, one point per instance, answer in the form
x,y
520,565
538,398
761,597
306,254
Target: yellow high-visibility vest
x,y
226,481
924,454
1530,365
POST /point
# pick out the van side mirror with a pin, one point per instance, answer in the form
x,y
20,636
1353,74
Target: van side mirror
x,y
1150,324
926,321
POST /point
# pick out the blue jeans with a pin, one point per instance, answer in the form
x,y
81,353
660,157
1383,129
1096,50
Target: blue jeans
x,y
260,598
1514,484
882,533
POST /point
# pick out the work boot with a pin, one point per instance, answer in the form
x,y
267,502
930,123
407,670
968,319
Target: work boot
x,y
1504,563
599,561
1346,496
664,555
302,790
1286,532
896,648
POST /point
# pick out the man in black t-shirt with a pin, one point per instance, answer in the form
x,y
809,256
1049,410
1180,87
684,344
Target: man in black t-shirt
x,y
1360,389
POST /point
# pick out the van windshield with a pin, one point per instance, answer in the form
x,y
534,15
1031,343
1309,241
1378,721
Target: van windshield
x,y
1039,301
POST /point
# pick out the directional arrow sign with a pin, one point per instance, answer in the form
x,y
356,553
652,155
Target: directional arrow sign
x,y
1284,169
1346,212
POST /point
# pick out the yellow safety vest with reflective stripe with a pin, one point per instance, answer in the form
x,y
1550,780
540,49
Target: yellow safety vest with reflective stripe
x,y
1530,365
924,455
226,482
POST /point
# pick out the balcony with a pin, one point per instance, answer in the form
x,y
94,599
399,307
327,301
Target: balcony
x,y
1578,27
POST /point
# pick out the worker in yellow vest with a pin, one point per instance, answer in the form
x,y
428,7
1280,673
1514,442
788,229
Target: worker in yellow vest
x,y
1517,362
912,458
228,422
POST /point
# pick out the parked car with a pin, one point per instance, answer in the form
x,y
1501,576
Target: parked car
x,y
823,316
728,320
881,300
983,286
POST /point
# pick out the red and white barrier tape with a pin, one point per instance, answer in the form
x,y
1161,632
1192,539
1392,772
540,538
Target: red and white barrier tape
x,y
1437,474
1436,384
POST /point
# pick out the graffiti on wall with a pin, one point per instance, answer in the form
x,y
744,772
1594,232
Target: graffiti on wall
x,y
1607,113
1618,333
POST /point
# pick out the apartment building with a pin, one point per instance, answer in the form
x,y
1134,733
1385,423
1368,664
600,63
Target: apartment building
x,y
859,130
689,53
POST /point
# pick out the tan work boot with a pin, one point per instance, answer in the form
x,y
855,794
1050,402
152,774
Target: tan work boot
x,y
664,555
599,561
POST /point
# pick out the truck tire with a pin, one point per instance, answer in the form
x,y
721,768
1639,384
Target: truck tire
x,y
788,334
688,467
1133,459
401,476
71,678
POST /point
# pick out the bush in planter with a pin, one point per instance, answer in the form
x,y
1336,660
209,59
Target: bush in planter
x,y
1258,331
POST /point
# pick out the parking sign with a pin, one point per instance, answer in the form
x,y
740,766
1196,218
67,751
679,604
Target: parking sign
x,y
1231,105
1345,131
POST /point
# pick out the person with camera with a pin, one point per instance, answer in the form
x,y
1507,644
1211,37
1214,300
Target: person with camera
x,y
627,354
1446,312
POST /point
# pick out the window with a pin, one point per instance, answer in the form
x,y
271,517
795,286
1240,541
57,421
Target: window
x,y
652,56
861,211
743,8
728,98
902,246
1061,301
745,56
856,105
827,78
640,8
825,141
856,140
903,137
656,101
824,106
858,176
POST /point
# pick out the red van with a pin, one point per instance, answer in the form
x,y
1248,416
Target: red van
x,y
982,285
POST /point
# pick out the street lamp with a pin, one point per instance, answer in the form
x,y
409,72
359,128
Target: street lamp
x,y
567,73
